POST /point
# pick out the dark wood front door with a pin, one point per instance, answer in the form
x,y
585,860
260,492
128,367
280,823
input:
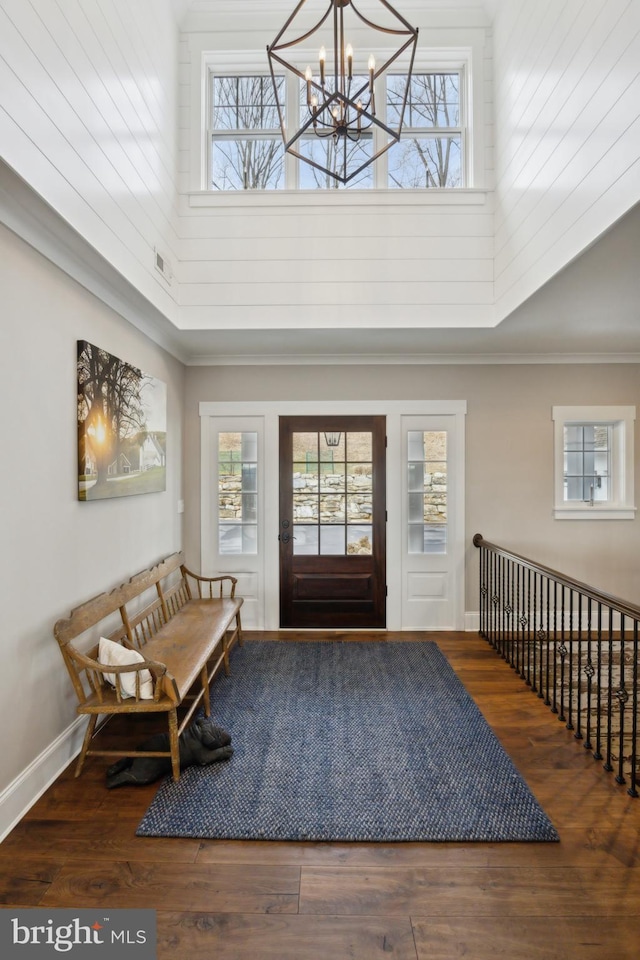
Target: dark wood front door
x,y
332,522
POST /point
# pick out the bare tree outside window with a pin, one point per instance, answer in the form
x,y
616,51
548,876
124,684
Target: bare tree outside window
x,y
247,152
429,153
329,152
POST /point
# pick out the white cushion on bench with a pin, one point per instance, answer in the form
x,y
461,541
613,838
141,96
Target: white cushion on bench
x,y
114,654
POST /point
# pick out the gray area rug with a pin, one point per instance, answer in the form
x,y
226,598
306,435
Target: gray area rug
x,y
371,741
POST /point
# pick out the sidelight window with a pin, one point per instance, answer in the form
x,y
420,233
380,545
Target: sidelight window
x,y
427,491
238,493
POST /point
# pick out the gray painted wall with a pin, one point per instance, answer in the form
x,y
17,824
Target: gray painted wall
x,y
509,449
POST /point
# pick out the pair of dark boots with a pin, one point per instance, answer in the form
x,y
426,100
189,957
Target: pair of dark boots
x,y
201,743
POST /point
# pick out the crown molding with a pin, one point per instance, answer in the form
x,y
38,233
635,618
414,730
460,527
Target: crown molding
x,y
410,359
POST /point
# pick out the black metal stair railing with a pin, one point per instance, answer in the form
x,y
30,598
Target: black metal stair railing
x,y
576,647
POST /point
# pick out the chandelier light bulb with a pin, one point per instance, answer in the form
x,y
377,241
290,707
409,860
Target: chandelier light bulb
x,y
349,53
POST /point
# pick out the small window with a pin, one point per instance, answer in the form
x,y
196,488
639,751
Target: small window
x,y
587,462
594,462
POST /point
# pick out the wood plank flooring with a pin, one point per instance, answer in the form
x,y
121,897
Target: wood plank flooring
x,y
575,900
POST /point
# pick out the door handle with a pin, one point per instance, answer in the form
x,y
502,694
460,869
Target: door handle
x,y
285,537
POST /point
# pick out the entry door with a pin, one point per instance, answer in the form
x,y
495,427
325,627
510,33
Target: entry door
x,y
332,522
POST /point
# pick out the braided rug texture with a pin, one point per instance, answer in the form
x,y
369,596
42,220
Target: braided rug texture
x,y
372,741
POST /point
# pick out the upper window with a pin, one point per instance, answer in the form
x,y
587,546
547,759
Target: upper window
x,y
245,150
430,150
594,462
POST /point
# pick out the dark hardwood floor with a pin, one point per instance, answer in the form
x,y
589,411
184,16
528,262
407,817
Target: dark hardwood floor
x,y
575,900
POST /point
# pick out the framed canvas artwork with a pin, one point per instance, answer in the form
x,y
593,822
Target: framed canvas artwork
x,y
122,427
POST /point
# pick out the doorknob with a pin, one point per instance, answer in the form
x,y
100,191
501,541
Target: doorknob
x,y
285,537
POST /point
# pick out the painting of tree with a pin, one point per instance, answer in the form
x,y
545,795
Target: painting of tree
x,y
122,416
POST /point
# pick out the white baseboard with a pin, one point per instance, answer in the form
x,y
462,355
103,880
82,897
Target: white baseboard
x,y
22,793
472,621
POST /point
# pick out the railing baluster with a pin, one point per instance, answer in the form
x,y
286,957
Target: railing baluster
x,y
607,762
554,682
520,628
547,671
597,754
622,695
570,671
588,672
578,714
563,652
632,791
533,639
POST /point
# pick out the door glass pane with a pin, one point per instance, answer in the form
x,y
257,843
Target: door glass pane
x,y
360,539
332,477
237,501
332,445
427,491
360,446
305,508
306,541
332,508
359,478
333,487
359,508
332,540
305,477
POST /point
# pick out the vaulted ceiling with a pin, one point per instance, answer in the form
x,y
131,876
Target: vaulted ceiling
x,y
589,310
585,307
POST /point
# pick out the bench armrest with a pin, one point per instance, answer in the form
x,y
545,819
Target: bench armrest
x,y
95,671
205,585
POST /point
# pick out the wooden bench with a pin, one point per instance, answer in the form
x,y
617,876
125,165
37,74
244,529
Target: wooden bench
x,y
183,627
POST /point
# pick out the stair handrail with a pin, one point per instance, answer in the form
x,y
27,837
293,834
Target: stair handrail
x,y
607,599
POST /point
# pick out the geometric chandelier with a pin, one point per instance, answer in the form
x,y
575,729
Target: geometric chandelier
x,y
324,46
